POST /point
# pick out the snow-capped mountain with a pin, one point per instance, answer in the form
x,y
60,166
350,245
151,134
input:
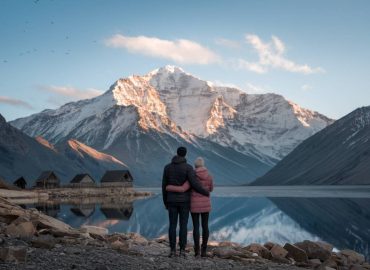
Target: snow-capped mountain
x,y
142,119
21,155
338,154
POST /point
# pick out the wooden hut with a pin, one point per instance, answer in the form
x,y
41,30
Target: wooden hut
x,y
82,180
47,179
117,178
20,183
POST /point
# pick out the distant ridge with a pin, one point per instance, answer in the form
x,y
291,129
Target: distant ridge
x,y
21,155
337,155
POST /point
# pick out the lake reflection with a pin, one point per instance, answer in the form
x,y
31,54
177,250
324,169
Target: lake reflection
x,y
344,222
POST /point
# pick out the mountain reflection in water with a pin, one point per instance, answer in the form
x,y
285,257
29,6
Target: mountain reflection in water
x,y
343,222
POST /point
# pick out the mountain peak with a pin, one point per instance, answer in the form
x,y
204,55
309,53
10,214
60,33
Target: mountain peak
x,y
168,69
2,119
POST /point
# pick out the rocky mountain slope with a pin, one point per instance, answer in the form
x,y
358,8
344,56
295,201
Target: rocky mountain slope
x,y
21,155
339,154
141,120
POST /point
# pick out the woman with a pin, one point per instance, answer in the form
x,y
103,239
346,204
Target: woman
x,y
200,205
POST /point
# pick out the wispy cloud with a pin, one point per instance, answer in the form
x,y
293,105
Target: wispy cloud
x,y
228,43
272,55
71,92
15,102
306,87
181,51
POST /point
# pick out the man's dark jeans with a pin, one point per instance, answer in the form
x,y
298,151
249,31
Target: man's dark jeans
x,y
178,211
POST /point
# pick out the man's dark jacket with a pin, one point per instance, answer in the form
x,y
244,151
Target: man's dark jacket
x,y
177,173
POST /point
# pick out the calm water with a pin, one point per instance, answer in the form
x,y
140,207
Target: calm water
x,y
339,216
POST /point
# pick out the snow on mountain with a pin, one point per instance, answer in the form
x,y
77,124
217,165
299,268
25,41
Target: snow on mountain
x,y
168,107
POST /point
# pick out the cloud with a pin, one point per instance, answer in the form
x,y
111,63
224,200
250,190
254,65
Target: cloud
x,y
306,87
71,92
15,102
228,43
181,51
272,55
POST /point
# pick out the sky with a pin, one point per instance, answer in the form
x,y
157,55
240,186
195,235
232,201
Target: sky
x,y
314,53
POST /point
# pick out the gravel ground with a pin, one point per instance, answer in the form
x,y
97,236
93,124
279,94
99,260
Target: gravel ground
x,y
102,258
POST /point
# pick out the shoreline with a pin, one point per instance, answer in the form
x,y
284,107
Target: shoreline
x,y
30,238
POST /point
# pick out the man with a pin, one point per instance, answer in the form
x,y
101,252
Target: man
x,y
178,204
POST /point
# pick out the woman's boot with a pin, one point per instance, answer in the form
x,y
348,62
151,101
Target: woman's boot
x,y
204,251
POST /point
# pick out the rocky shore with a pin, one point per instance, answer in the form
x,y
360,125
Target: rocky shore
x,y
32,240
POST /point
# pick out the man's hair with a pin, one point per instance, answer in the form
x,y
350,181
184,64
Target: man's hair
x,y
181,151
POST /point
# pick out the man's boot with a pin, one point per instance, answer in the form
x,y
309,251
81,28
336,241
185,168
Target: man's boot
x,y
172,253
196,251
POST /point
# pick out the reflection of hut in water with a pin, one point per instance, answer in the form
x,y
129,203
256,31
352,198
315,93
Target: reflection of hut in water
x,y
83,210
117,178
122,212
50,209
83,180
20,182
48,179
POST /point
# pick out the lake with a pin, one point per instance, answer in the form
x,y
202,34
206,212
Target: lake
x,y
338,215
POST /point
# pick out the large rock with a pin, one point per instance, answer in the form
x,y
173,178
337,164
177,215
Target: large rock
x,y
260,250
137,239
352,256
95,230
298,254
228,244
314,250
44,241
13,254
278,251
269,245
324,245
22,230
230,252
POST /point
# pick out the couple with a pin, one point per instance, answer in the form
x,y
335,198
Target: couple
x,y
185,189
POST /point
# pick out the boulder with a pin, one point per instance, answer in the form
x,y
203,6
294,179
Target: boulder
x,y
229,252
278,251
120,246
298,254
315,262
138,239
260,250
269,245
95,230
352,256
43,241
20,229
324,245
313,250
13,254
228,244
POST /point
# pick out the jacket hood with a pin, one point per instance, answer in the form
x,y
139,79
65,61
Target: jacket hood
x,y
202,172
178,160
